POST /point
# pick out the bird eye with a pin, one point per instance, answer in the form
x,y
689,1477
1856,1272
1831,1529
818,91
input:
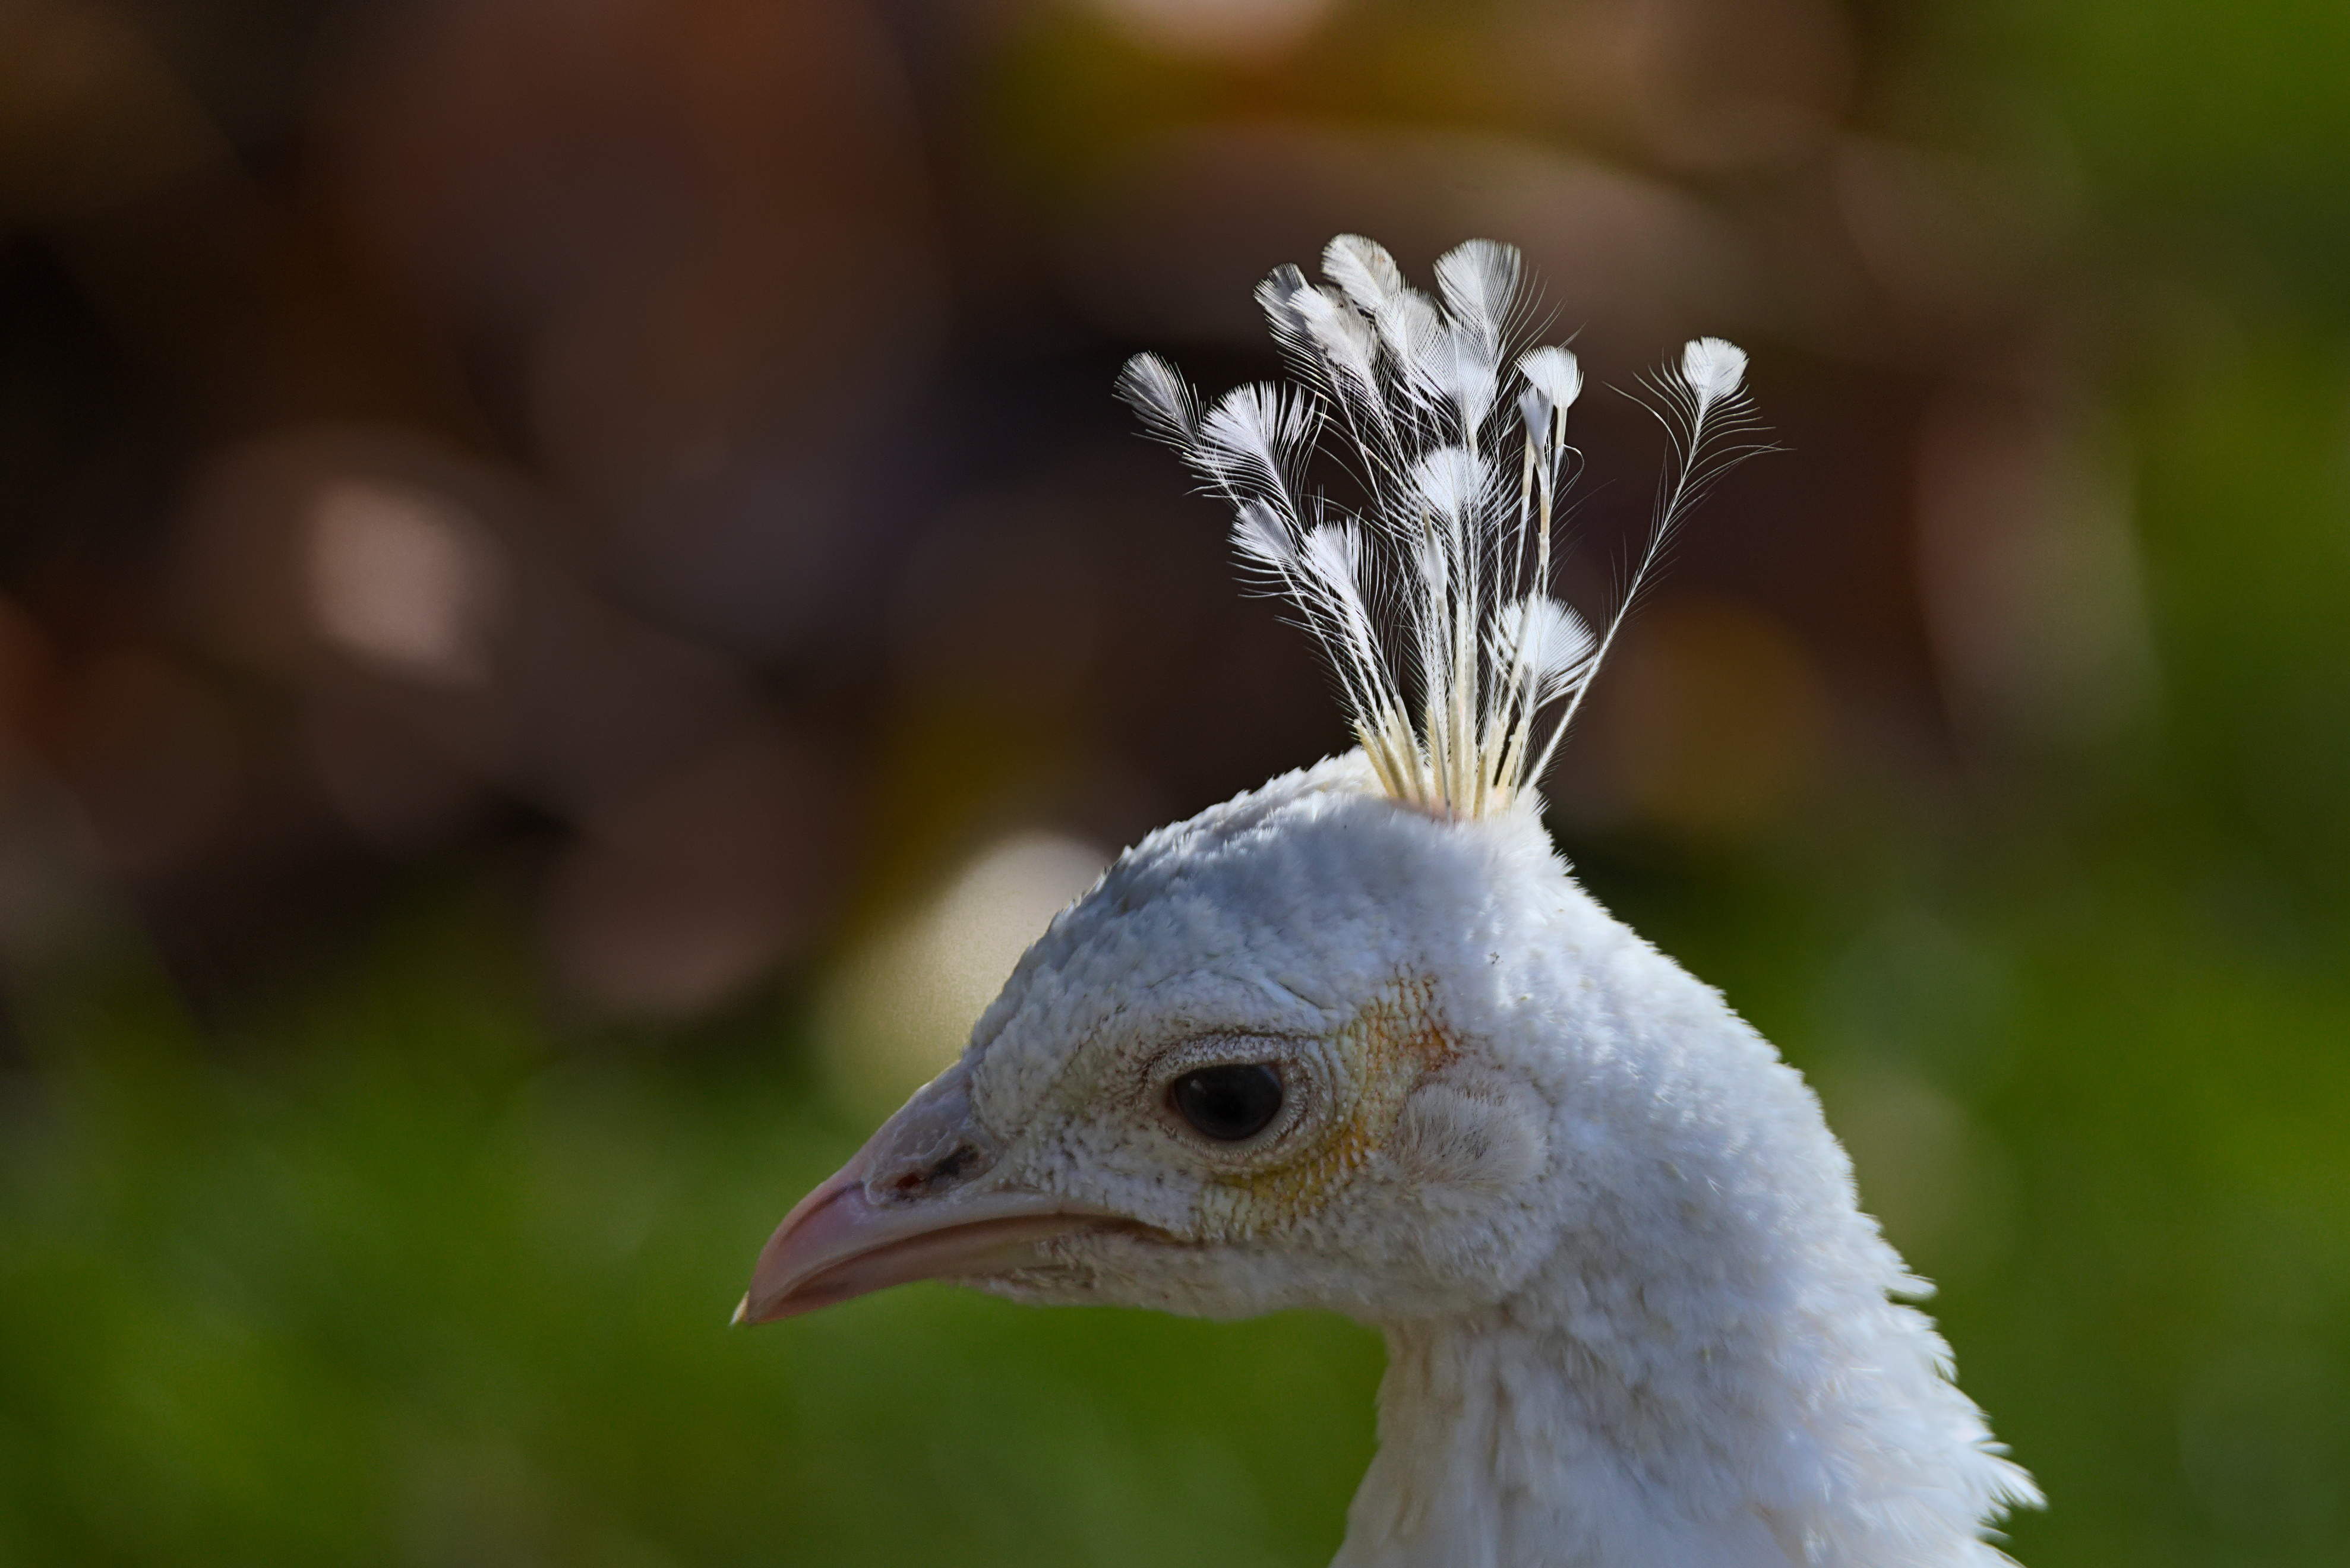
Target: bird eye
x,y
1228,1102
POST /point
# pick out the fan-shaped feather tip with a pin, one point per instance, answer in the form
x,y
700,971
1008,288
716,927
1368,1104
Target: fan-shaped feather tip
x,y
1712,368
1452,538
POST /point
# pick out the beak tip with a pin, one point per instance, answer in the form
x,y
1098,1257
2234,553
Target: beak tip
x,y
741,1318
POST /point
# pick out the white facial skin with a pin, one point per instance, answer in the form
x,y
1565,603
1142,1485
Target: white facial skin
x,y
1313,926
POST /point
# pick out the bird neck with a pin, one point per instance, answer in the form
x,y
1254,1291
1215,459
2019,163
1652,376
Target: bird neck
x,y
1510,1442
1704,1371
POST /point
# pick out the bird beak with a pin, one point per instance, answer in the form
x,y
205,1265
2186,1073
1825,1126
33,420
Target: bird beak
x,y
838,1242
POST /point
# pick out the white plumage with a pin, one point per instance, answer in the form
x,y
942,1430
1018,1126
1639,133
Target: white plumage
x,y
1356,1040
1461,456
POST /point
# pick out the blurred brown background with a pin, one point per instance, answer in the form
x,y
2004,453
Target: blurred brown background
x,y
572,593
666,440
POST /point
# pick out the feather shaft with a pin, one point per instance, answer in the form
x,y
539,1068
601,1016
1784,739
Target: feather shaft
x,y
1447,711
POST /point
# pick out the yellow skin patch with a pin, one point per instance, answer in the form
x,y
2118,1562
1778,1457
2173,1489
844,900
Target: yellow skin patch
x,y
1378,1058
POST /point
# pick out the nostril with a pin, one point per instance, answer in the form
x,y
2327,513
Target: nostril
x,y
950,1166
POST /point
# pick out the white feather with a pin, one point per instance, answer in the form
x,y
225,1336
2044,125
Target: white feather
x,y
1261,541
1411,328
1480,282
1712,368
1255,440
1155,390
1450,483
1341,348
1547,639
1332,561
1347,338
1467,371
1554,373
1364,270
1280,296
1274,294
1448,713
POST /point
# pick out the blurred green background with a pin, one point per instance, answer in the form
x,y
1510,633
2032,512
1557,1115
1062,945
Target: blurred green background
x,y
572,594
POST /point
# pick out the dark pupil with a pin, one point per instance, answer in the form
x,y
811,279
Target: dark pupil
x,y
1229,1103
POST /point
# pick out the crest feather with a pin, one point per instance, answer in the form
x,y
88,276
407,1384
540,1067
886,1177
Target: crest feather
x,y
1480,282
1552,372
1459,545
1157,390
1364,270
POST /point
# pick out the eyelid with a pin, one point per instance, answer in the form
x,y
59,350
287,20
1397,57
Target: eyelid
x,y
1279,1052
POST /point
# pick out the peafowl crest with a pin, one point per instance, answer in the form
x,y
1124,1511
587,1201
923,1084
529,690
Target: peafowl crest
x,y
1458,442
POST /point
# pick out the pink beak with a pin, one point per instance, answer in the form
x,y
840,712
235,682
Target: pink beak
x,y
837,1245
838,1242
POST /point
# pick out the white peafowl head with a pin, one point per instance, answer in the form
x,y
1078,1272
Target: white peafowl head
x,y
1356,1040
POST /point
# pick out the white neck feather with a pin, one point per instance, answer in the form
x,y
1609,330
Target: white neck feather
x,y
1706,1370
1509,1442
1507,1445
